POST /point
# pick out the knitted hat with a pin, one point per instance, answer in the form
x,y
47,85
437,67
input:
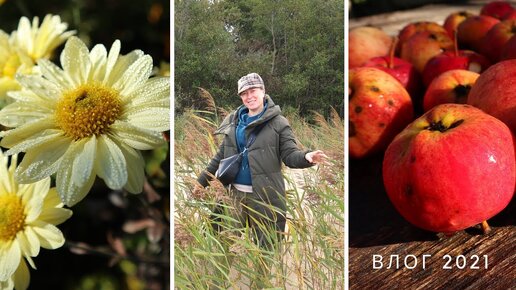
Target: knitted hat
x,y
252,80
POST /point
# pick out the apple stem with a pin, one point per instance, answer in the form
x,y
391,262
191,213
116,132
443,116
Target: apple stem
x,y
455,43
485,227
392,50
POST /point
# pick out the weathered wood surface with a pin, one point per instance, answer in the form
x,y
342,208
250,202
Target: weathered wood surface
x,y
393,22
376,228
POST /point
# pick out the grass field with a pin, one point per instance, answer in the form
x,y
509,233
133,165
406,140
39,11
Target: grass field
x,y
312,255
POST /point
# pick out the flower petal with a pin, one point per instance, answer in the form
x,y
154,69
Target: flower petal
x,y
156,89
20,113
110,164
7,85
75,60
4,40
33,195
29,242
52,199
15,136
55,74
73,185
8,284
98,57
11,256
49,235
138,138
50,35
152,118
42,137
24,96
44,88
30,261
135,75
121,65
21,277
135,169
21,33
55,216
84,160
112,58
42,161
5,175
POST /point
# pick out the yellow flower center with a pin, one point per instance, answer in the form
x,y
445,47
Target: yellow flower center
x,y
12,216
87,110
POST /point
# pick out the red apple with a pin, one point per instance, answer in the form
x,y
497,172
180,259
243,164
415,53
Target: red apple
x,y
412,28
452,168
379,108
453,20
452,86
400,69
450,60
509,49
424,45
496,9
456,59
509,15
495,39
365,43
495,92
471,31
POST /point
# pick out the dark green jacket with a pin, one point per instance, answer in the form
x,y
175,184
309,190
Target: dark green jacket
x,y
274,143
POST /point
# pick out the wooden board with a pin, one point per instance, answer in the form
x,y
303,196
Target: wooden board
x,y
376,228
393,22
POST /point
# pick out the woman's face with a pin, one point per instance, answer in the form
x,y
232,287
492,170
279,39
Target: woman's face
x,y
253,99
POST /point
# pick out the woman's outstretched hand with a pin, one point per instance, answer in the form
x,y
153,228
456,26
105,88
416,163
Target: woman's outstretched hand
x,y
316,156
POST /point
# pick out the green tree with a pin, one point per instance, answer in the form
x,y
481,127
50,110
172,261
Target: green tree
x,y
297,46
203,47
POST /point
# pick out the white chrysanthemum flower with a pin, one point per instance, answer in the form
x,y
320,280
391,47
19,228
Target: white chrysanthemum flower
x,y
29,214
90,118
40,41
12,60
20,51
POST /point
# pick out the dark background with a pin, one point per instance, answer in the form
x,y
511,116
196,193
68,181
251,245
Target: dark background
x,y
144,25
141,24
361,8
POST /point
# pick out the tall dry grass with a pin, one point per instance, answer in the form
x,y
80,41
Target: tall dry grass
x,y
310,257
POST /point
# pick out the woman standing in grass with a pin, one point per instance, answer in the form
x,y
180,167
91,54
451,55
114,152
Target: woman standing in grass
x,y
258,191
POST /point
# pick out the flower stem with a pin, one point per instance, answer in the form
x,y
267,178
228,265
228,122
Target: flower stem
x,y
84,249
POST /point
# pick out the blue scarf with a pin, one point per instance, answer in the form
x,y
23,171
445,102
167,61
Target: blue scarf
x,y
244,175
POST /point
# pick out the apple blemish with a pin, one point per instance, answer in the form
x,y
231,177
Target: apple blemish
x,y
439,126
380,107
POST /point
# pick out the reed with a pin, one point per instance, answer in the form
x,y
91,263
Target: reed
x,y
311,255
